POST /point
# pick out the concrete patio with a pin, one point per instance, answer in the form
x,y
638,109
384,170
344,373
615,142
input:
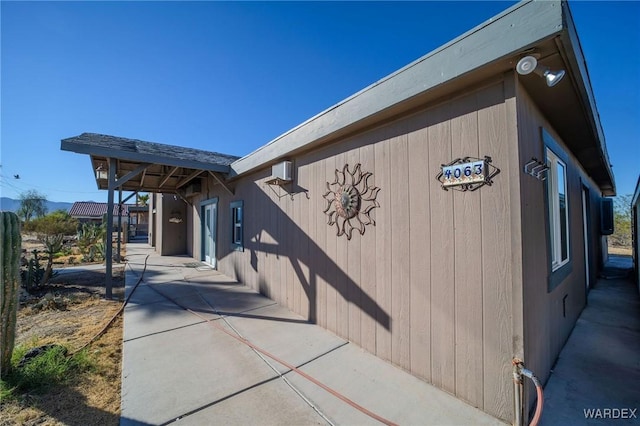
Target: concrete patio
x,y
179,366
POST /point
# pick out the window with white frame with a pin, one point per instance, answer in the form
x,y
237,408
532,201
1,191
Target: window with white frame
x,y
558,210
237,223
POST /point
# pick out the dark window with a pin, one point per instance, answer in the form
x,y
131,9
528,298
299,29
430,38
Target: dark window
x,y
237,222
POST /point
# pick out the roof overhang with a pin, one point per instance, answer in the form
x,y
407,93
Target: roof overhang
x,y
491,49
146,166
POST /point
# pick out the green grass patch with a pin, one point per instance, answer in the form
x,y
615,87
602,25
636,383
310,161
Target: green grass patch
x,y
51,368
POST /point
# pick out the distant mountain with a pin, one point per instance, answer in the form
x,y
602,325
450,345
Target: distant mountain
x,y
9,204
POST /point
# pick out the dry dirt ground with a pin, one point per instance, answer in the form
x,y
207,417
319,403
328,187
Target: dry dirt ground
x,y
623,251
92,398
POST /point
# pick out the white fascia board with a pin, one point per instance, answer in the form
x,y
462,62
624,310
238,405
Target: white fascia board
x,y
518,27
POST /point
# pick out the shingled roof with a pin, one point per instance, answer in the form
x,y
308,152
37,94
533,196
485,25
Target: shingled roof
x,y
90,209
155,167
150,152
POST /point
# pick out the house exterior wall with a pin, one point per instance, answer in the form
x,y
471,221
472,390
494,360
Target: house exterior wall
x,y
171,236
431,286
552,306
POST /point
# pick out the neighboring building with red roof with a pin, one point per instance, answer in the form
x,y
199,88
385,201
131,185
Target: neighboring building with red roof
x,y
89,211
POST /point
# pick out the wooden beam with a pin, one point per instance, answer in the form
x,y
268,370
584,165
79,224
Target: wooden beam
x,y
144,175
133,173
130,195
221,182
184,199
188,179
168,176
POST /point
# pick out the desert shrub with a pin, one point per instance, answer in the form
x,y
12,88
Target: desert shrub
x,y
58,222
66,250
90,241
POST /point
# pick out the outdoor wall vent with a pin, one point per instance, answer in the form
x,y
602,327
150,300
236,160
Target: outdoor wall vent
x,y
281,172
193,188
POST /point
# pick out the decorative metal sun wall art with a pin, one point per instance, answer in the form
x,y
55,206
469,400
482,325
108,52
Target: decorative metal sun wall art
x,y
350,200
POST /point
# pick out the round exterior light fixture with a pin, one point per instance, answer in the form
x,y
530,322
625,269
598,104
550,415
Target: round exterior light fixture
x,y
529,64
526,65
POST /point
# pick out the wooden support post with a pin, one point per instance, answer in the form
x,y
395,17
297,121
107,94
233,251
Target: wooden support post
x,y
119,223
108,243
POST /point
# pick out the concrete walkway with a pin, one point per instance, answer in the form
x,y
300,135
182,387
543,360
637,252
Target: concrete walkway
x,y
179,366
599,367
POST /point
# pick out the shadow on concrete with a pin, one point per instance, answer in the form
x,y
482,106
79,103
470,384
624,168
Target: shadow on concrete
x,y
207,293
599,366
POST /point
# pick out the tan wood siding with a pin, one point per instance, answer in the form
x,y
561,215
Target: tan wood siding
x,y
420,249
442,256
382,249
331,250
354,260
496,254
468,269
320,242
400,256
342,262
546,324
368,266
429,286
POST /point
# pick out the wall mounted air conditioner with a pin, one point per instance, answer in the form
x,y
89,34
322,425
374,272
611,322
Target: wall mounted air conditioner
x,y
606,216
281,172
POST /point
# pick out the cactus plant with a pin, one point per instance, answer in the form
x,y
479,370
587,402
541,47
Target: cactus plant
x,y
53,244
89,236
10,250
32,273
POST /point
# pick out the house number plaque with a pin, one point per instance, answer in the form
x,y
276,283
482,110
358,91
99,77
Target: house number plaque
x,y
467,174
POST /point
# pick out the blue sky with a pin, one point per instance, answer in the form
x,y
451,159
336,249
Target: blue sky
x,y
230,77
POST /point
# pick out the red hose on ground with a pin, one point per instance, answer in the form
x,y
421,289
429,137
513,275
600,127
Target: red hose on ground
x,y
286,364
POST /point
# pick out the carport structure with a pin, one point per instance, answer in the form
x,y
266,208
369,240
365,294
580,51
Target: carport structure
x,y
133,165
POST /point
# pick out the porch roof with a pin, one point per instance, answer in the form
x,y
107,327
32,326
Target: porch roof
x,y
147,166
